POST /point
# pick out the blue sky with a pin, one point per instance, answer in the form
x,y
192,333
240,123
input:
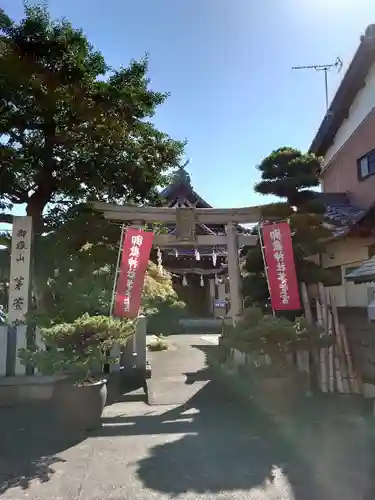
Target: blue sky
x,y
227,64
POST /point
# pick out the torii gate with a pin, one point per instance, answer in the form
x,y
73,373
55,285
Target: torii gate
x,y
186,220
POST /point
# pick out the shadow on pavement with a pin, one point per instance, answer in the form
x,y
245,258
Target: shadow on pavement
x,y
223,449
227,447
199,376
214,445
29,445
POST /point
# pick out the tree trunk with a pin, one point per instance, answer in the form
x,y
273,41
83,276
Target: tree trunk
x,y
35,207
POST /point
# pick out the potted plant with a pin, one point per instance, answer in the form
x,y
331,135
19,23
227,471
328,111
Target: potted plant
x,y
270,343
77,352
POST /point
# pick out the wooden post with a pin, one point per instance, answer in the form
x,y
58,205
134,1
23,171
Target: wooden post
x,y
140,342
233,272
211,295
115,354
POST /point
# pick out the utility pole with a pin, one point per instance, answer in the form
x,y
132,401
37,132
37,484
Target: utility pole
x,y
324,67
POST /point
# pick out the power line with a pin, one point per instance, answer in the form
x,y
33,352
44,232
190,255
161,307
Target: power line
x,y
324,67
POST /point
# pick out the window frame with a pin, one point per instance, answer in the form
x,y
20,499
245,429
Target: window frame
x,y
362,177
350,268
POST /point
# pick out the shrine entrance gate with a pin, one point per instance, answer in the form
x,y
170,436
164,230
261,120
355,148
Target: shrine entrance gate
x,y
186,220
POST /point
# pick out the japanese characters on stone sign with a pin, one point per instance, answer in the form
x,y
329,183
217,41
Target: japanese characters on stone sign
x,y
278,251
135,254
19,271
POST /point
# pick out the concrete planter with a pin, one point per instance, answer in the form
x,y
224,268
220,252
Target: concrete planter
x,y
79,407
21,390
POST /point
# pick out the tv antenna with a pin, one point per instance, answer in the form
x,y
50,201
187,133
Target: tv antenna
x,y
324,67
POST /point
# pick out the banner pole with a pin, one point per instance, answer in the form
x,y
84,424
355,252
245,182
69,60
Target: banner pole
x,y
117,270
260,225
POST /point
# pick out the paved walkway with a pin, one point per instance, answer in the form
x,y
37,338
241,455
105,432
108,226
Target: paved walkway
x,y
194,442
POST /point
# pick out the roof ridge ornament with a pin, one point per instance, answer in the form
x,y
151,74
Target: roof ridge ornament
x,y
182,175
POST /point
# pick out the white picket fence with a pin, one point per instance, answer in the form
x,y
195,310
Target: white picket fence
x,y
239,358
3,349
11,341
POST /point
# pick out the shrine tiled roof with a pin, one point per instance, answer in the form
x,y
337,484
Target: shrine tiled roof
x,y
181,189
340,212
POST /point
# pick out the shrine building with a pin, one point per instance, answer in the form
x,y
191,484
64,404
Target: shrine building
x,y
199,274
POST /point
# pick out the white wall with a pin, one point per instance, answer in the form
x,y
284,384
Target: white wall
x,y
348,253
362,105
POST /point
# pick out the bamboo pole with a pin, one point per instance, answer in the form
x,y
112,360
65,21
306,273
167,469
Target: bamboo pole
x,y
323,302
260,236
339,379
340,348
309,318
331,363
353,380
324,313
306,304
323,367
117,270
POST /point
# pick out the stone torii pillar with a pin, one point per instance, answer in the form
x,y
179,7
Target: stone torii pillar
x,y
233,272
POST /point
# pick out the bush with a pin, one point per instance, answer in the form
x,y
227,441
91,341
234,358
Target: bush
x,y
79,349
272,335
159,344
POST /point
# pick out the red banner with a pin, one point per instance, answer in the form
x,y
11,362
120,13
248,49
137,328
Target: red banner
x,y
279,259
134,260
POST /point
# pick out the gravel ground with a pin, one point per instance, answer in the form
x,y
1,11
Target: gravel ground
x,y
193,442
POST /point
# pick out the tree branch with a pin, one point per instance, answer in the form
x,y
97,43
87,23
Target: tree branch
x,y
6,219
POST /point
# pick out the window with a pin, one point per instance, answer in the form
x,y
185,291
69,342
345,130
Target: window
x,y
333,276
366,165
350,269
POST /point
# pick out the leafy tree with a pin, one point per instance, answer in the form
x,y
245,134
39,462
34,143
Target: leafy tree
x,y
79,272
291,175
73,129
161,303
79,261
